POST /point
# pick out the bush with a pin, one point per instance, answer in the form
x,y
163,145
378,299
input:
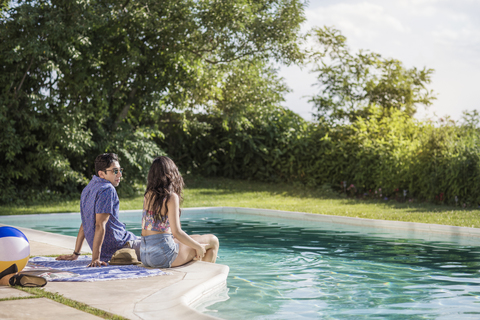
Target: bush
x,y
430,161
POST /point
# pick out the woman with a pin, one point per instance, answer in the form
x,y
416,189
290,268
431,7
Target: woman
x,y
164,243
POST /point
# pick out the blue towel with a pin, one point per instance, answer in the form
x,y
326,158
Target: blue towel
x,y
77,270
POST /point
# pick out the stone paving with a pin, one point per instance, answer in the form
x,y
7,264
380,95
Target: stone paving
x,y
158,297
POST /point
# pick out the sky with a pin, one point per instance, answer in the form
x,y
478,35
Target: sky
x,y
443,35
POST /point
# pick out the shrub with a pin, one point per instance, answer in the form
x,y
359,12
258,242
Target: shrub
x,y
394,152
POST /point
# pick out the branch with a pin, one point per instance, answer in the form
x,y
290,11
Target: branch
x,y
125,5
112,94
23,79
226,61
123,114
21,82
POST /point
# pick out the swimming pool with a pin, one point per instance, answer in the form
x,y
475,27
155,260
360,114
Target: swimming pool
x,y
291,269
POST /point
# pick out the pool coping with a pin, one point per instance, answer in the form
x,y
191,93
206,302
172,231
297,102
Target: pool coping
x,y
186,285
202,279
364,222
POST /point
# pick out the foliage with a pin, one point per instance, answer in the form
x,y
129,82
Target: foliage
x,y
242,146
79,78
437,162
195,79
350,83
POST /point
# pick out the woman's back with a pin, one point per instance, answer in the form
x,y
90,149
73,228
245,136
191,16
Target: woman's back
x,y
153,223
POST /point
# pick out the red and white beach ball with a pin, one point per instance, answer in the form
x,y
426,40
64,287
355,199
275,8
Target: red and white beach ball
x,y
14,248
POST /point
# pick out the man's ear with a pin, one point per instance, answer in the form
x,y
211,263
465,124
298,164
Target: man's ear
x,y
101,174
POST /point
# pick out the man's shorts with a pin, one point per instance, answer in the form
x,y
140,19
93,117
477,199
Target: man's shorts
x,y
134,244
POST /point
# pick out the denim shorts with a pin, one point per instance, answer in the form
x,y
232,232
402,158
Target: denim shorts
x,y
158,250
134,244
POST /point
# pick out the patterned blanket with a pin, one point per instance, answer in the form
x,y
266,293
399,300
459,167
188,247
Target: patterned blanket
x,y
77,270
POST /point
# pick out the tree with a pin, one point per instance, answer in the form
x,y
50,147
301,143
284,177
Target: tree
x,y
351,83
80,78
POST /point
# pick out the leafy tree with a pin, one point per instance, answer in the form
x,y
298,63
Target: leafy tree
x,y
239,128
349,83
80,78
254,146
471,119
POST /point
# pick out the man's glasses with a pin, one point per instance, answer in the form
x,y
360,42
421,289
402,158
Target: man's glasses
x,y
115,171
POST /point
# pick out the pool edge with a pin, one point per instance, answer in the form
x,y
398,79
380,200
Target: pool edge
x,y
363,222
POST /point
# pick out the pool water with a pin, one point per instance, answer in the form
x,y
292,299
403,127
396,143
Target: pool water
x,y
289,269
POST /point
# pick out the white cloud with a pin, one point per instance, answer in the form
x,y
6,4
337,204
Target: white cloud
x,y
450,36
419,2
362,20
425,8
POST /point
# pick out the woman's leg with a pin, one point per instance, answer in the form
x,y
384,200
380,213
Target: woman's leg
x,y
185,254
212,245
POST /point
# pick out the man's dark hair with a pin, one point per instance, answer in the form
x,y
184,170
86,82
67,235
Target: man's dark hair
x,y
103,161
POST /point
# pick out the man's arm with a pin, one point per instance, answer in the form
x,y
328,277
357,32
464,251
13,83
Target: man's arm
x,y
100,224
78,246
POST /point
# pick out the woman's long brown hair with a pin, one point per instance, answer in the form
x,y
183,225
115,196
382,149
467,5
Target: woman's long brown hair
x,y
163,180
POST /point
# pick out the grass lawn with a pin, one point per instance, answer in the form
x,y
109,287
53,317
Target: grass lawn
x,y
215,192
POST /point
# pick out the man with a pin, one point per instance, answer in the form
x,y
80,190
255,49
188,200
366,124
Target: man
x,y
99,207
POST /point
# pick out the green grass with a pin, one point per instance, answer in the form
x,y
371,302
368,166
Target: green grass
x,y
214,192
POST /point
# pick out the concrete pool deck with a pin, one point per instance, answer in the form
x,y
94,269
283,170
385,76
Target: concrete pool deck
x,y
165,296
169,296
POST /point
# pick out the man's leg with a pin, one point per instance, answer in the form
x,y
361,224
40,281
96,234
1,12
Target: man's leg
x,y
135,244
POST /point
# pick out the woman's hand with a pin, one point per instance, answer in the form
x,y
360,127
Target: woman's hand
x,y
201,251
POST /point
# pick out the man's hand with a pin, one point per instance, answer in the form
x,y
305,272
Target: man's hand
x,y
67,257
97,263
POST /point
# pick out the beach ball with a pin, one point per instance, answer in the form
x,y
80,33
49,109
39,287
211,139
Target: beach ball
x,y
14,248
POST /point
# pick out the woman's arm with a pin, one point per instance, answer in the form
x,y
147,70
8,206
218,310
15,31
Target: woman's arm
x,y
173,206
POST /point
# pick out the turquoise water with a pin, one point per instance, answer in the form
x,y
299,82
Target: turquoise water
x,y
288,269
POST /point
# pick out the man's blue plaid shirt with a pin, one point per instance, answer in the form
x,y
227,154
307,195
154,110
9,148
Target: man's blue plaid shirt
x,y
100,196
